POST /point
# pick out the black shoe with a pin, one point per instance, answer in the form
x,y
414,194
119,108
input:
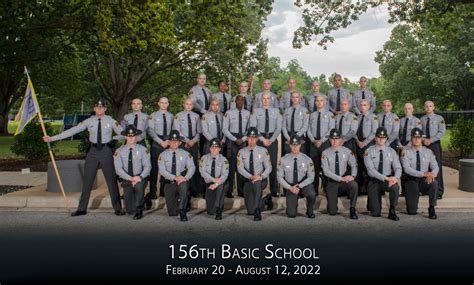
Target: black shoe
x,y
310,215
188,204
376,215
148,203
138,215
353,214
78,213
440,196
182,216
229,195
412,214
119,212
267,200
257,216
432,214
218,214
392,215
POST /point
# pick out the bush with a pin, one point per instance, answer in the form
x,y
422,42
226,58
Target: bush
x,y
84,145
29,143
462,138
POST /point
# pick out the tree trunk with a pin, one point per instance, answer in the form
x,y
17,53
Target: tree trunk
x,y
7,99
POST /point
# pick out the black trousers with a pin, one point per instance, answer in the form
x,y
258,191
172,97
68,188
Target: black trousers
x,y
176,197
232,151
273,152
253,195
334,189
214,199
196,185
436,149
413,186
156,150
292,200
134,198
315,154
374,191
362,176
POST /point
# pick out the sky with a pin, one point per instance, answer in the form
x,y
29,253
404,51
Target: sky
x,y
352,53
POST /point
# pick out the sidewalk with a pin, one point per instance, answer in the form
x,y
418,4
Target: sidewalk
x,y
37,198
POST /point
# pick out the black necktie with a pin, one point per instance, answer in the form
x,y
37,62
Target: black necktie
x,y
135,121
293,121
380,169
337,162
404,133
418,161
338,100
225,102
213,168
363,95
295,172
318,127
360,130
190,127
383,121
165,125
428,135
173,164
218,126
340,123
267,122
130,162
240,125
99,135
245,103
206,101
251,170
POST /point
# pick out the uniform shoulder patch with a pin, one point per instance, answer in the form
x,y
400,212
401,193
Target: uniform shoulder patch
x,y
402,153
332,116
366,153
352,153
116,152
150,117
189,155
376,118
226,161
442,122
354,118
323,157
147,151
397,119
226,114
203,117
159,158
117,124
191,92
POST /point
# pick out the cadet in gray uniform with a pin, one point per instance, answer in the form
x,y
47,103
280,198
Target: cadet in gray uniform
x,y
177,168
365,135
391,122
421,169
363,94
138,119
214,169
296,174
407,123
337,94
253,163
311,99
248,98
347,124
285,99
340,168
266,85
160,124
188,125
383,166
223,97
132,164
100,129
212,123
295,121
236,122
321,122
434,129
268,122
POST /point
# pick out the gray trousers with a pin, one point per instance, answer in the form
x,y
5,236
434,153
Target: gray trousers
x,y
253,195
104,159
374,191
176,197
413,186
156,150
436,149
214,199
273,152
134,196
292,200
334,189
315,154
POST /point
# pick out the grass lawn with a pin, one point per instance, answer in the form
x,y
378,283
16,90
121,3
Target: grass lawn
x,y
66,147
445,140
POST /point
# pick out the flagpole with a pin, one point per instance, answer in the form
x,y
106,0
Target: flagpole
x,y
51,155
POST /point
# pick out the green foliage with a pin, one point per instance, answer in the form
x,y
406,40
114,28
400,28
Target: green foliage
x,y
462,138
29,143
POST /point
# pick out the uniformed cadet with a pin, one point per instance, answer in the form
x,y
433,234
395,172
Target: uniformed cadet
x,y
176,166
236,122
321,122
200,96
311,99
365,135
138,119
132,164
212,123
295,121
253,163
100,129
268,122
285,99
384,169
267,86
337,94
340,168
188,125
248,98
160,124
391,122
214,168
347,124
421,169
407,123
434,129
363,94
296,174
223,97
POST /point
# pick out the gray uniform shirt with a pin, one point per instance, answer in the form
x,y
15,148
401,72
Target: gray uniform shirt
x,y
261,162
392,124
285,101
108,125
286,168
357,97
258,118
231,123
346,158
184,164
349,125
274,99
311,100
209,125
413,122
328,122
437,127
332,98
142,123
391,162
427,161
249,102
301,121
370,124
181,124
221,169
156,125
220,97
140,159
197,96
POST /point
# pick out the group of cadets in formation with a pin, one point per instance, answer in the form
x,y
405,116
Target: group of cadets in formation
x,y
332,140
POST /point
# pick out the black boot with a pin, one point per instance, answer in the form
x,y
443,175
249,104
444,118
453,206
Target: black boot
x,y
188,204
182,216
218,214
78,213
257,215
119,212
138,215
392,214
432,213
268,202
310,215
353,214
148,203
